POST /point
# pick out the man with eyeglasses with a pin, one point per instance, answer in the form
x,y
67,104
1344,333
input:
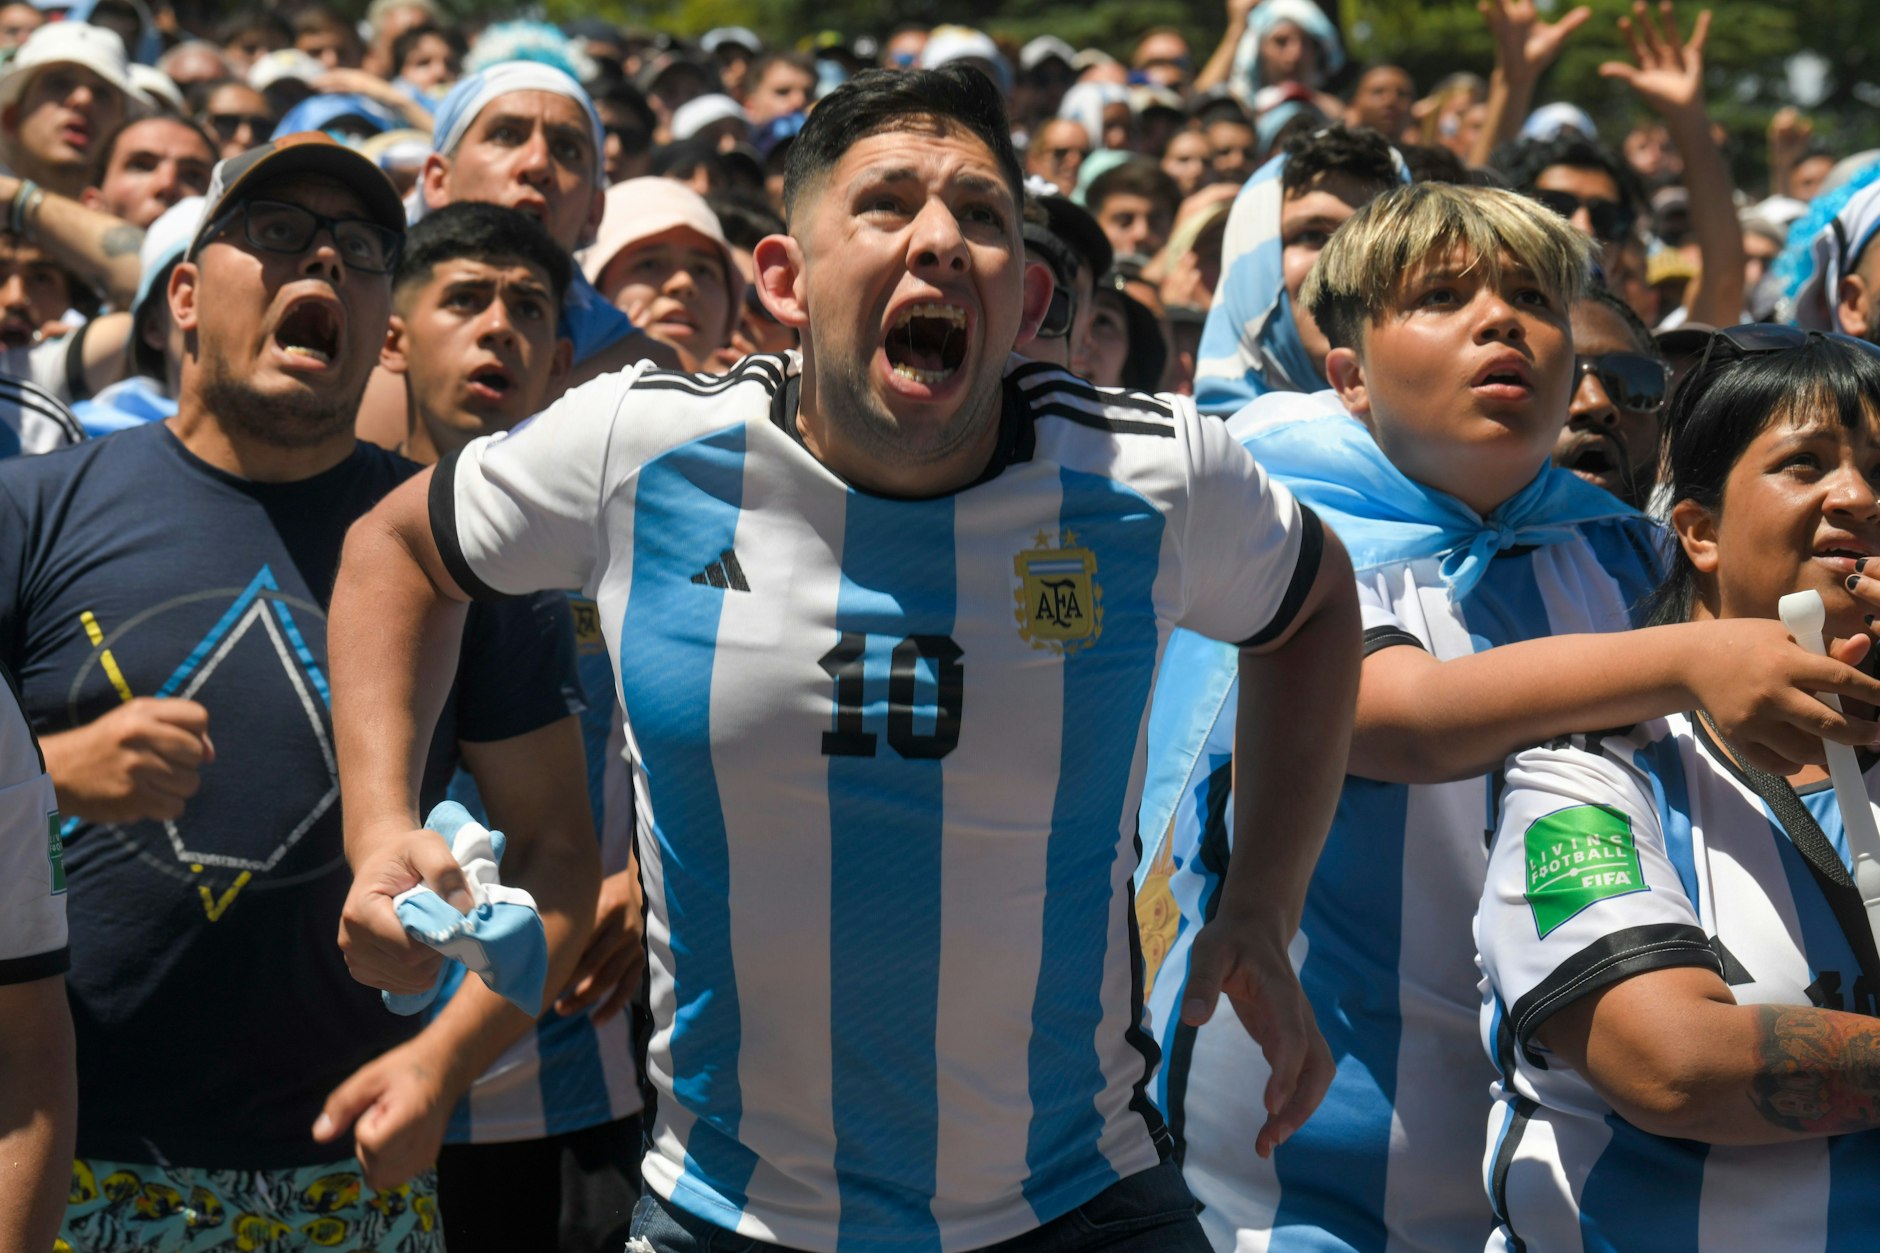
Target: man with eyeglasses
x,y
237,116
1621,381
162,603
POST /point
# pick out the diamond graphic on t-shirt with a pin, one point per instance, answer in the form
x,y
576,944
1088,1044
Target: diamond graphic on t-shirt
x,y
257,795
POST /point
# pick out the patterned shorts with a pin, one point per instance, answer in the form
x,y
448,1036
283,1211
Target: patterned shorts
x,y
128,1207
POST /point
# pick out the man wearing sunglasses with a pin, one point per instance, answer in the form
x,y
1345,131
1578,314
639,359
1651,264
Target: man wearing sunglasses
x,y
1619,390
175,669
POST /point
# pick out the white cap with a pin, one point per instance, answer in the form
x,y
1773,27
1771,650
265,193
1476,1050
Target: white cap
x,y
1042,49
69,43
696,114
283,63
961,43
155,88
739,35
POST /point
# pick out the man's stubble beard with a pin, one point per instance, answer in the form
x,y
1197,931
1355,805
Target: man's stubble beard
x,y
299,419
861,416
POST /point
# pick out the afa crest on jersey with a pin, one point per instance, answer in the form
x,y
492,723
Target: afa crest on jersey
x,y
1060,602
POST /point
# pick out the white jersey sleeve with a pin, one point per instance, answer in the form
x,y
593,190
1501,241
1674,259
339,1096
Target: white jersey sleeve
x,y
520,512
1581,891
1250,552
32,873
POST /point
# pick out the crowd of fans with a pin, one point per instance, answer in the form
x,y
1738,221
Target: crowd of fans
x,y
442,228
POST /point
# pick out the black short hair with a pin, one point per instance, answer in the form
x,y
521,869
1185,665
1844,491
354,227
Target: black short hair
x,y
954,96
253,17
1430,163
108,148
408,40
482,232
1598,293
745,219
1524,161
755,71
1356,152
1134,176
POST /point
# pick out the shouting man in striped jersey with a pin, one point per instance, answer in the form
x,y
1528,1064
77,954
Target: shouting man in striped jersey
x,y
885,615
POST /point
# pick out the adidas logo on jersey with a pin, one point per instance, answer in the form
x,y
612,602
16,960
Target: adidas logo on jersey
x,y
724,572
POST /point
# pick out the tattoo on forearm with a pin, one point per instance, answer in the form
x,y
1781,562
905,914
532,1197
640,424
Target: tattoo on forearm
x,y
1819,1071
121,240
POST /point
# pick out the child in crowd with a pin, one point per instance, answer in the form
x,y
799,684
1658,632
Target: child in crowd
x,y
662,259
1497,591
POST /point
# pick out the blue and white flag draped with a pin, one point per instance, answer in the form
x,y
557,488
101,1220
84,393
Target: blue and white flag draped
x,y
1329,461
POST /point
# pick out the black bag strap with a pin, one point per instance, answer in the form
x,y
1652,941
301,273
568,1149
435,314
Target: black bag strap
x,y
1830,873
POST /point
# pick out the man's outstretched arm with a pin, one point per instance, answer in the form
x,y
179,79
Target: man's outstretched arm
x,y
393,633
1297,697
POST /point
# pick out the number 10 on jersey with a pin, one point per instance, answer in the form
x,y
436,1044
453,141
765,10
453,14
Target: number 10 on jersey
x,y
926,685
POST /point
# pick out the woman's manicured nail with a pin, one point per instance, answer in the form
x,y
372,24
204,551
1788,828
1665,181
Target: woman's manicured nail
x,y
1853,581
1861,564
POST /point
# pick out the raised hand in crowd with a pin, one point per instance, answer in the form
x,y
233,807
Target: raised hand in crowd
x,y
1667,73
1524,47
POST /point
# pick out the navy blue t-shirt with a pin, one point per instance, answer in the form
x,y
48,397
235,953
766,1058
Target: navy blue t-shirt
x,y
213,1009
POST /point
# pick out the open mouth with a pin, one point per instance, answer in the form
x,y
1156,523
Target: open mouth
x,y
927,342
309,332
1594,460
492,382
15,333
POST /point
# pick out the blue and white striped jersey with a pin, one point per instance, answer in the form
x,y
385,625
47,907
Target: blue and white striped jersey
x,y
571,1072
1384,951
1625,853
889,754
32,419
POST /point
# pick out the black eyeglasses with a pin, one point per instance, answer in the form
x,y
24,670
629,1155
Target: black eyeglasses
x,y
1633,381
228,125
1610,220
289,229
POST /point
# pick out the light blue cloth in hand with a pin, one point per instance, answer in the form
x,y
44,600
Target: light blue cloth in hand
x,y
500,939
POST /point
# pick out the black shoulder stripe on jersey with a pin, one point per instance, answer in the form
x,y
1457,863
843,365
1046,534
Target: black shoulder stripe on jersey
x,y
442,503
1378,638
674,381
19,702
1213,856
38,966
1100,422
1524,1111
1735,973
1608,960
1305,573
1073,388
29,397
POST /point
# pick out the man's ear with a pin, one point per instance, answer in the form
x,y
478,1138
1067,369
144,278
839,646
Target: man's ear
x,y
1696,529
1854,307
433,181
778,262
90,197
558,368
1039,284
395,354
1345,371
185,286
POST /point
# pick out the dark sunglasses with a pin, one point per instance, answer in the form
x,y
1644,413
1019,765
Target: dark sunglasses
x,y
289,229
1633,381
228,125
1754,339
1609,219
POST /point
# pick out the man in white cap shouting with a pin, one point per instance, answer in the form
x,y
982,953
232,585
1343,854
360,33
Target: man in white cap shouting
x,y
67,88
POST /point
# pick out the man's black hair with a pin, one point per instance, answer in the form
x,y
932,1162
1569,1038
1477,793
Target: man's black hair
x,y
755,71
1431,163
254,17
408,40
1210,110
481,232
1524,161
108,148
954,96
1357,153
625,95
745,219
1134,176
